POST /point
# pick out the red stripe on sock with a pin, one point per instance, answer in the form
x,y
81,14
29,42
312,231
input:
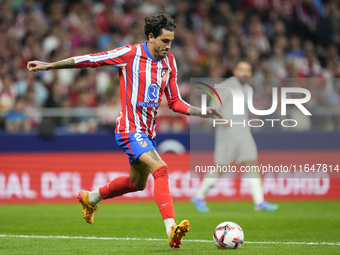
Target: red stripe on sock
x,y
162,192
117,187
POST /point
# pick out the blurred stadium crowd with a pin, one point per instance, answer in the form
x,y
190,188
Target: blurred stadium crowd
x,y
281,39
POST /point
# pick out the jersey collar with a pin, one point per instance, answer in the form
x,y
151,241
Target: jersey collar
x,y
145,47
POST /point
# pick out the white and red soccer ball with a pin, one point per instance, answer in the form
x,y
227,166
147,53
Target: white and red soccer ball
x,y
228,235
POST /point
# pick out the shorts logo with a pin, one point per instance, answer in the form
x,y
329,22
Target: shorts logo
x,y
143,143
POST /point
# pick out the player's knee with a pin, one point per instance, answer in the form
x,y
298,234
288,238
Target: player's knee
x,y
141,186
139,182
161,171
157,165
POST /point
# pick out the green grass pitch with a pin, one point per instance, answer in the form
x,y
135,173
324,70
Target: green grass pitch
x,y
296,228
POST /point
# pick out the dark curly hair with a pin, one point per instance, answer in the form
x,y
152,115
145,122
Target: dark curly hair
x,y
155,23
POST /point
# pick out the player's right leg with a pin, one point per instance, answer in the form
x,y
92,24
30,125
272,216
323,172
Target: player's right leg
x,y
118,186
88,208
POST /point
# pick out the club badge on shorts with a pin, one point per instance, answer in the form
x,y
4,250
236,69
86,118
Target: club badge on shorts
x,y
143,143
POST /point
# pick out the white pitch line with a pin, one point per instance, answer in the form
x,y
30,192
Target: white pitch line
x,y
155,239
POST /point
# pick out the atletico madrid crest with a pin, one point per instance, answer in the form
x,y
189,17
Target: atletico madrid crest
x,y
165,75
143,143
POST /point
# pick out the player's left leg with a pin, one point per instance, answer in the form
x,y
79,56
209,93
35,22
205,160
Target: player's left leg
x,y
153,163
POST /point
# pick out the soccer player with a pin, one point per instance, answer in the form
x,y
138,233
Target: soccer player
x,y
146,72
234,143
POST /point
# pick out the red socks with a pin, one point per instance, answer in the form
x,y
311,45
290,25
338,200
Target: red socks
x,y
162,192
117,187
122,185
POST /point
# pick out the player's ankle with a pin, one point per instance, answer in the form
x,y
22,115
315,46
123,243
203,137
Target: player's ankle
x,y
94,197
168,223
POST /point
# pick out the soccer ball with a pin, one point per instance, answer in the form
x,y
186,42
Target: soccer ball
x,y
228,235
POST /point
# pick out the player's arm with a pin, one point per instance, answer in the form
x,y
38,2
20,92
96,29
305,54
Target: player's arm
x,y
43,66
211,112
180,106
177,104
118,58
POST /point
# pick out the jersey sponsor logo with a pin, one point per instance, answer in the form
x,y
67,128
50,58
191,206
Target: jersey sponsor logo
x,y
148,105
153,92
152,95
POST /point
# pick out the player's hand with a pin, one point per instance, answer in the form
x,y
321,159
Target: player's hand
x,y
37,66
212,113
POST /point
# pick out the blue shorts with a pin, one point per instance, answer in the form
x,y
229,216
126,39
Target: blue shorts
x,y
134,145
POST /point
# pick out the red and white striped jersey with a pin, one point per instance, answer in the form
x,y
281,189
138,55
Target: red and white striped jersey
x,y
143,80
